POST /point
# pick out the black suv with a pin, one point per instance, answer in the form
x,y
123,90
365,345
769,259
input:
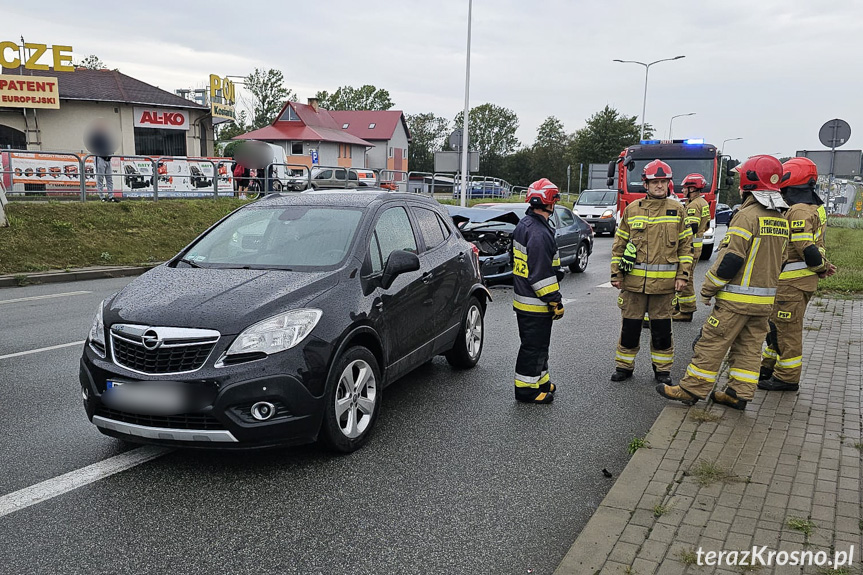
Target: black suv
x,y
283,322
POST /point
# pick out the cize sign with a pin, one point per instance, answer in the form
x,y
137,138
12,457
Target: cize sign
x,y
164,119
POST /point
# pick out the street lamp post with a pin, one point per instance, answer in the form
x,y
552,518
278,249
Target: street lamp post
x,y
722,147
465,152
671,123
646,70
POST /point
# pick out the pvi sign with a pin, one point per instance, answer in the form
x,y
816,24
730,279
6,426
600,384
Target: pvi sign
x,y
164,119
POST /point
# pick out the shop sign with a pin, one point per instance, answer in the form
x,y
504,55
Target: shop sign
x,y
159,118
222,98
61,56
29,92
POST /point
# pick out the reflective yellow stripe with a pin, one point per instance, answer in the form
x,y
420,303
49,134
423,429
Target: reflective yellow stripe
x,y
691,220
655,220
686,298
685,259
790,362
697,243
662,357
529,381
685,234
735,231
615,260
715,280
701,373
624,358
744,375
769,353
621,233
747,275
545,282
548,289
741,298
802,237
790,275
555,263
651,274
518,254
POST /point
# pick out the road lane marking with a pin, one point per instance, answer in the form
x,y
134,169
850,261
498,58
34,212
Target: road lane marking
x,y
59,485
62,345
35,297
606,285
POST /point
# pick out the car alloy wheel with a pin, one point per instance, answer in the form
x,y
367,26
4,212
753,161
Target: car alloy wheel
x,y
355,396
581,258
473,331
467,348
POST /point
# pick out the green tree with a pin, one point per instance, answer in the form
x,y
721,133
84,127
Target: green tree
x,y
549,159
604,136
91,62
491,132
518,167
365,97
428,134
269,92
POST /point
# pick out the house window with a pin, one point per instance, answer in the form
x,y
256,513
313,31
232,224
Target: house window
x,y
345,126
390,153
290,115
372,126
296,148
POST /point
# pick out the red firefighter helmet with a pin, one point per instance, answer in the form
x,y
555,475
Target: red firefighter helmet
x,y
697,181
798,172
542,193
656,170
760,173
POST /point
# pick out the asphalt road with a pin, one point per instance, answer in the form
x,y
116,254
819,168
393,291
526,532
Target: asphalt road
x,y
456,477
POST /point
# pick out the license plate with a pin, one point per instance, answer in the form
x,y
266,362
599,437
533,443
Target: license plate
x,y
111,384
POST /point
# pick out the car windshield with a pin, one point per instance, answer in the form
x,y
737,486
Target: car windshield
x,y
679,169
597,198
299,238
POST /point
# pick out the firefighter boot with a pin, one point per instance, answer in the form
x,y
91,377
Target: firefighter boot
x,y
663,377
548,387
683,316
729,398
676,393
773,384
621,374
533,396
765,373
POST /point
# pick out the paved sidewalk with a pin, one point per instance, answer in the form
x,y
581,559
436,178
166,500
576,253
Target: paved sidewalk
x,y
784,474
73,274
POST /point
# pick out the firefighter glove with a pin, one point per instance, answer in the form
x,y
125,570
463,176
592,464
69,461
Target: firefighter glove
x,y
556,309
627,261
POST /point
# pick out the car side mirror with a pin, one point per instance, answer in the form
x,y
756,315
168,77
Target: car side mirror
x,y
731,164
399,262
729,181
612,166
609,182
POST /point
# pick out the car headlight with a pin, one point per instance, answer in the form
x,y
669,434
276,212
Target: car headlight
x,y
96,337
708,233
277,333
607,214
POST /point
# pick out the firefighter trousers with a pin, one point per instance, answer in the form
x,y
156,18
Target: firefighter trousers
x,y
686,300
531,364
724,332
633,306
784,351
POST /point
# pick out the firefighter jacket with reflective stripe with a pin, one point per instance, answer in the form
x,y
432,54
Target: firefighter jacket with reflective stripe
x,y
698,216
746,272
808,224
663,243
535,262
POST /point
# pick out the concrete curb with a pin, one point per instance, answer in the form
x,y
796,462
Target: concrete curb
x,y
78,274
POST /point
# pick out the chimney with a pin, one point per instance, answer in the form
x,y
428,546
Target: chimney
x,y
313,102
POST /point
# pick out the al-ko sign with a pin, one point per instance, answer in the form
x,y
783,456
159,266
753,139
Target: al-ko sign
x,y
11,56
160,118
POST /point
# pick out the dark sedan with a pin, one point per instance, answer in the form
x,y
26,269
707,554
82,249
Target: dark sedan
x,y
573,235
282,323
723,214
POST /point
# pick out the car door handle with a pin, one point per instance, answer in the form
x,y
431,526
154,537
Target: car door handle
x,y
426,277
380,306
461,257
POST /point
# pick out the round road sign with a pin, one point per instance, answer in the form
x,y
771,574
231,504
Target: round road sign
x,y
455,139
834,133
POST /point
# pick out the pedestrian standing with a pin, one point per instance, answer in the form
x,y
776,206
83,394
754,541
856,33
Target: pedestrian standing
x,y
698,218
651,259
102,145
805,262
743,280
536,300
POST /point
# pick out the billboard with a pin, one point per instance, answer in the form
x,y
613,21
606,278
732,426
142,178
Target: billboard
x,y
159,118
32,92
847,162
450,162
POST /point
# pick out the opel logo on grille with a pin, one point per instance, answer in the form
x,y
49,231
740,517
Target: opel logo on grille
x,y
151,340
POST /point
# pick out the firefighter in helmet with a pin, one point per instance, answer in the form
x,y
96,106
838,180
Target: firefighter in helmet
x,y
698,218
805,262
651,259
536,299
743,280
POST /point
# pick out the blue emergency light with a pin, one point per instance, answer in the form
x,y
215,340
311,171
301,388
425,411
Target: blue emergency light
x,y
644,142
694,141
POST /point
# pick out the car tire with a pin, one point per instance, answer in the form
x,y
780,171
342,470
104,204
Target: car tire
x,y
277,186
352,401
581,258
706,251
467,349
612,231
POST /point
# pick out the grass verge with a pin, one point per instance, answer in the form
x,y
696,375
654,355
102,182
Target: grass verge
x,y
845,251
60,235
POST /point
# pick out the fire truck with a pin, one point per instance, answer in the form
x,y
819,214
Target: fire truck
x,y
685,157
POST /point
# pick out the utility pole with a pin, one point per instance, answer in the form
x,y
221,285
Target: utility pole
x,y
568,172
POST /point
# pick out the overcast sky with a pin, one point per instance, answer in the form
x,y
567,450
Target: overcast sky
x,y
769,71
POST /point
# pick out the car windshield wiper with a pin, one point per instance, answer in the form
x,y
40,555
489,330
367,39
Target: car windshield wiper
x,y
191,263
